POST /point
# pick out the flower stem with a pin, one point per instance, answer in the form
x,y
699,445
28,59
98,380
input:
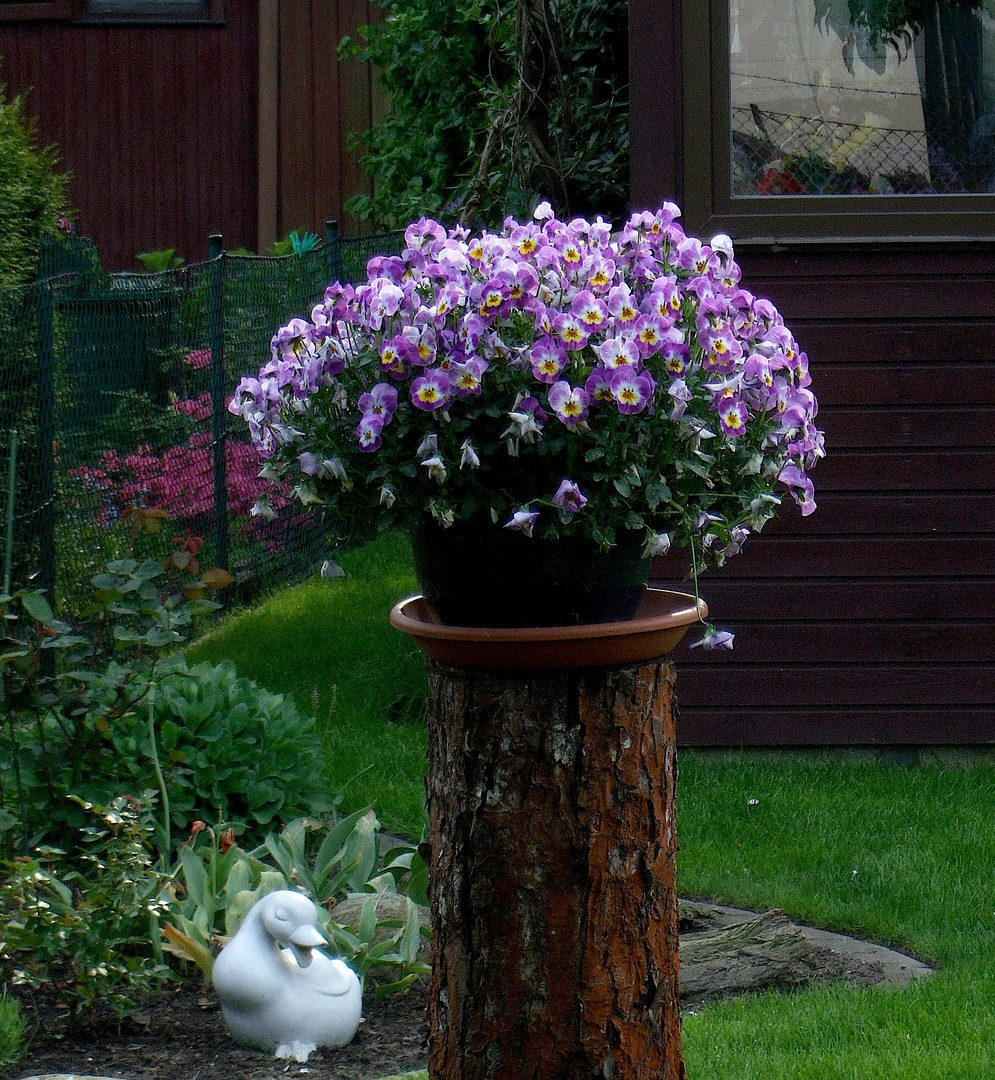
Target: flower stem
x,y
160,779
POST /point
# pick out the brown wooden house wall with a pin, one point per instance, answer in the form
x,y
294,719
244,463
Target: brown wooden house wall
x,y
175,132
319,103
156,123
871,621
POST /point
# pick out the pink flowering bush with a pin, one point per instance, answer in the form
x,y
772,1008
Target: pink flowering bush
x,y
554,378
180,480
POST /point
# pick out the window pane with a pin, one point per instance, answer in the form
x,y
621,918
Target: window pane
x,y
838,97
146,7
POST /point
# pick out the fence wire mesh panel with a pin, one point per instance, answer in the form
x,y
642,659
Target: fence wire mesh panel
x,y
117,385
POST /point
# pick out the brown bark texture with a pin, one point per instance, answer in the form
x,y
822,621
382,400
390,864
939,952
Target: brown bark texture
x,y
554,904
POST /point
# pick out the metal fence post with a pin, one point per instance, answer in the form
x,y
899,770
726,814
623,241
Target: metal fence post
x,y
46,443
218,419
8,538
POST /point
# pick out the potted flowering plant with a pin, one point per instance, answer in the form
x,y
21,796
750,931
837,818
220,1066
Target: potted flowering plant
x,y
555,382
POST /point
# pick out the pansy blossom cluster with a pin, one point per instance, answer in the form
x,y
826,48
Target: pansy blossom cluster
x,y
554,378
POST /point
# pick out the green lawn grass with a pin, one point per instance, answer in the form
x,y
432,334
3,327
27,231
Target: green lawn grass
x,y
330,645
894,853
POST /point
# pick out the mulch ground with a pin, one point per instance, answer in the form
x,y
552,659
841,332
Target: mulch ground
x,y
182,1036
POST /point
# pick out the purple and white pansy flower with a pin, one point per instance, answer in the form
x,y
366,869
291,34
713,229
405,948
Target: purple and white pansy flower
x,y
551,378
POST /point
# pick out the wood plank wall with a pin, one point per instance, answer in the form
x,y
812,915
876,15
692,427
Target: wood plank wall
x,y
872,620
176,132
322,103
156,123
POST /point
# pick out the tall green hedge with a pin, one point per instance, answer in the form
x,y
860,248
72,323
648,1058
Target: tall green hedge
x,y
32,192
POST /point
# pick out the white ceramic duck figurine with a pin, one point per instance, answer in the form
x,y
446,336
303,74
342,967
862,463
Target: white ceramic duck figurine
x,y
286,1000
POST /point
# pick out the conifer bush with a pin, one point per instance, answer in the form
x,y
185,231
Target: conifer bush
x,y
32,192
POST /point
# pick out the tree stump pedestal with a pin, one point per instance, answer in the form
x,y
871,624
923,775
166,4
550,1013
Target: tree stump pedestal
x,y
554,903
551,781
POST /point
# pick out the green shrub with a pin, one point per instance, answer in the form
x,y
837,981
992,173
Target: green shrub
x,y
67,696
229,751
84,930
12,1028
216,746
32,193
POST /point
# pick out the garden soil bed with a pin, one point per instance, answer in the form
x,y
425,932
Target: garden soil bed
x,y
180,1035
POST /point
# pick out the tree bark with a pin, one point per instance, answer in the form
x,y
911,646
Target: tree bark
x,y
554,904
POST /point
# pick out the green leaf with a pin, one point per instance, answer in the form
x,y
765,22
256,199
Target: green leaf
x,y
361,851
242,903
35,604
149,570
418,884
197,882
332,849
657,493
122,566
411,938
368,921
341,936
392,988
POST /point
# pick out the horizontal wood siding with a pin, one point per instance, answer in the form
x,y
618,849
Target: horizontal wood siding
x,y
156,123
873,619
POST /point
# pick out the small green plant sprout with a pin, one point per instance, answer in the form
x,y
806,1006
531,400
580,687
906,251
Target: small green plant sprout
x,y
383,936
84,929
13,1027
298,242
156,262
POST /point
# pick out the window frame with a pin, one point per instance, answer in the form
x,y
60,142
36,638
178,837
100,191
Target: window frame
x,y
710,207
143,13
44,10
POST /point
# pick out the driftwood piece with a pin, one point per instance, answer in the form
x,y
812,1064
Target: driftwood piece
x,y
766,951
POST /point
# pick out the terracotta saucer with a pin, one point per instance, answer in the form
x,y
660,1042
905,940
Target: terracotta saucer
x,y
662,620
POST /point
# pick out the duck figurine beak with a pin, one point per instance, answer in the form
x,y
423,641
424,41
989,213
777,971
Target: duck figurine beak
x,y
302,941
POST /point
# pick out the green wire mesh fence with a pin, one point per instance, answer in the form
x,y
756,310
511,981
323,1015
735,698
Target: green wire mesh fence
x,y
113,390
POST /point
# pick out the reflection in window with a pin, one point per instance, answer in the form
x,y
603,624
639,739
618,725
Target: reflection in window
x,y
843,97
